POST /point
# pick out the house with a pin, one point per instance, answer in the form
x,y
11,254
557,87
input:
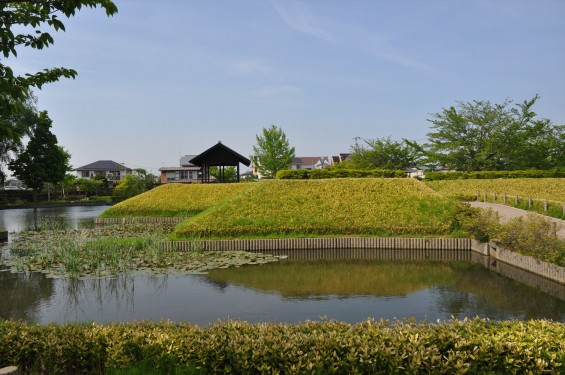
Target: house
x,y
108,169
14,185
311,162
185,172
196,168
415,172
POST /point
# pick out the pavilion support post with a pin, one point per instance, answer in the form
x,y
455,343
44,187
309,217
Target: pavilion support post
x,y
237,172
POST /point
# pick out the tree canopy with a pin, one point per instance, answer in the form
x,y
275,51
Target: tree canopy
x,y
272,152
384,153
43,160
480,135
27,23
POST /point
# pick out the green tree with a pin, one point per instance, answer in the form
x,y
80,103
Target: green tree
x,y
480,135
43,160
272,152
130,186
229,174
384,153
88,186
26,23
14,127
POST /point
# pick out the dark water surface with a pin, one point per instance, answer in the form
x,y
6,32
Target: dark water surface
x,y
288,291
16,220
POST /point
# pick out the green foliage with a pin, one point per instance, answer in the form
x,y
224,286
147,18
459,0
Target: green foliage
x,y
229,174
304,174
88,186
480,223
23,24
272,152
42,161
130,186
480,175
533,236
471,346
14,126
479,135
385,153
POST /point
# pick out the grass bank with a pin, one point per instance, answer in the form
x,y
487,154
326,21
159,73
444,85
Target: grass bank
x,y
370,206
175,200
476,347
537,188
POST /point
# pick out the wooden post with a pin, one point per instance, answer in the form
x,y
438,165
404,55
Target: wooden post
x,y
516,201
545,205
494,196
478,196
530,202
485,196
504,199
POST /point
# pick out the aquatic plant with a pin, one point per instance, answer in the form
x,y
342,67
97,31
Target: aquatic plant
x,y
111,250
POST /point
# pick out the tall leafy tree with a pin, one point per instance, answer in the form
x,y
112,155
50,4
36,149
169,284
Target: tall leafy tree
x,y
27,23
272,152
229,174
43,160
14,127
385,153
480,135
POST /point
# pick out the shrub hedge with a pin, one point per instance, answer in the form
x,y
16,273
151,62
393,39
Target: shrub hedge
x,y
435,176
304,174
471,346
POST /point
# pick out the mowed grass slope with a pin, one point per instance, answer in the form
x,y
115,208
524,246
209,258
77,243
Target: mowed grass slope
x,y
537,188
367,206
174,200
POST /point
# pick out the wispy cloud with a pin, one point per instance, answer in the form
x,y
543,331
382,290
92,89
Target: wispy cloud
x,y
251,66
297,16
273,90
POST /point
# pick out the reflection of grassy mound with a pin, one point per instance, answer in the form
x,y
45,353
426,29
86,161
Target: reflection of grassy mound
x,y
342,278
326,207
175,200
538,188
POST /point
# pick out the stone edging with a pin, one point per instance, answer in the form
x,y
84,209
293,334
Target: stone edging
x,y
548,270
320,243
137,220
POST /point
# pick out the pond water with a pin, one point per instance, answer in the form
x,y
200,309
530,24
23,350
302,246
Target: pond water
x,y
287,291
291,290
16,220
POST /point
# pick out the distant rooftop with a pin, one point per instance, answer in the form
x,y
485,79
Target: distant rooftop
x,y
103,165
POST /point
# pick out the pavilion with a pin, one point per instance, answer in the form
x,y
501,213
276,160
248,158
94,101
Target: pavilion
x,y
219,156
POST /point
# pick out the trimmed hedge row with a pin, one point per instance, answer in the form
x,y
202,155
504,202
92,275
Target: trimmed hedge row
x,y
469,346
435,176
304,174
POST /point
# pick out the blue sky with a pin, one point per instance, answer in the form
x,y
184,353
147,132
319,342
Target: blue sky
x,y
167,78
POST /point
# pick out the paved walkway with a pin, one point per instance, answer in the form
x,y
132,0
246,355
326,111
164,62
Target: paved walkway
x,y
507,213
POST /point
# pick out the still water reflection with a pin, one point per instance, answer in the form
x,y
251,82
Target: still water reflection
x,y
16,220
289,291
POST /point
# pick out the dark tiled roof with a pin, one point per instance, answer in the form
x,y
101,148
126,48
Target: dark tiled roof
x,y
103,165
220,154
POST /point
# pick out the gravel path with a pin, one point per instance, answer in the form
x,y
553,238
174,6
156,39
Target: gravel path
x,y
507,213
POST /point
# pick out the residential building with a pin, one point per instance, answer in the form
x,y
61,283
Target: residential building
x,y
185,172
108,169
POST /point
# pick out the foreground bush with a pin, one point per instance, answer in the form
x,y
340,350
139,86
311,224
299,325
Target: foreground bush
x,y
476,346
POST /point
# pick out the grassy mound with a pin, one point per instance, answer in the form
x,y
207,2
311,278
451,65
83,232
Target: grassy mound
x,y
349,206
537,188
174,200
